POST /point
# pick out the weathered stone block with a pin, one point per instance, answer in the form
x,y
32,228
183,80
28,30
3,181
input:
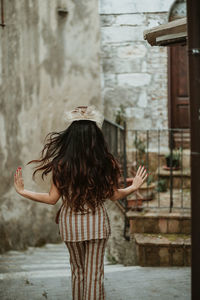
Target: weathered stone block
x,y
107,50
134,51
138,112
109,80
186,226
122,34
107,20
132,226
137,253
142,101
152,256
138,123
136,6
131,20
120,66
150,225
187,258
186,159
173,226
164,256
140,252
134,79
116,94
178,182
162,225
163,249
139,225
177,256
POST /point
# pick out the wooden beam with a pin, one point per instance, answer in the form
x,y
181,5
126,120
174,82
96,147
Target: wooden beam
x,y
172,39
174,31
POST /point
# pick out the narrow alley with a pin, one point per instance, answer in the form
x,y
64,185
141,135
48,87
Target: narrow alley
x,y
39,273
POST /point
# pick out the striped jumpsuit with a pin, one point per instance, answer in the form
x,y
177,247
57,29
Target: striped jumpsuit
x,y
85,235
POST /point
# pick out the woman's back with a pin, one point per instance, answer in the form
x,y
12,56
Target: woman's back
x,y
83,170
80,226
84,174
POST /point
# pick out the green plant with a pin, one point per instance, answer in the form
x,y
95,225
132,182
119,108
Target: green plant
x,y
111,259
176,154
120,115
161,185
141,150
150,179
173,158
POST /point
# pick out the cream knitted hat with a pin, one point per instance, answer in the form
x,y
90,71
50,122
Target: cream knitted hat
x,y
84,113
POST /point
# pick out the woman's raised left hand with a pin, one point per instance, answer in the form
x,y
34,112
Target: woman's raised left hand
x,y
19,181
139,178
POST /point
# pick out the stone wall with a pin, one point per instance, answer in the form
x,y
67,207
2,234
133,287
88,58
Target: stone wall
x,y
119,250
135,74
48,64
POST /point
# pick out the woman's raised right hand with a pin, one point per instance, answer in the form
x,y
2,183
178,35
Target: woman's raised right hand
x,y
139,178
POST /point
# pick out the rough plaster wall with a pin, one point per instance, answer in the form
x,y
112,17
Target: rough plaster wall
x,y
135,74
48,64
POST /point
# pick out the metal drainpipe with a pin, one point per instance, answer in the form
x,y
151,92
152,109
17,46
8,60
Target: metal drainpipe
x,y
193,21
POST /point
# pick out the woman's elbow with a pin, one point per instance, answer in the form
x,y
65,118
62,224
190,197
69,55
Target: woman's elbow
x,y
53,201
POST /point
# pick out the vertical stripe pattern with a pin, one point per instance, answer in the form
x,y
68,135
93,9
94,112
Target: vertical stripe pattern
x,y
87,267
78,226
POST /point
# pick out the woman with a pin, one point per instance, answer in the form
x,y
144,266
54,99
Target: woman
x,y
84,175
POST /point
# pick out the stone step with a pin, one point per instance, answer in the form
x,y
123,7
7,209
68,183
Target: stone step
x,y
160,222
163,249
181,178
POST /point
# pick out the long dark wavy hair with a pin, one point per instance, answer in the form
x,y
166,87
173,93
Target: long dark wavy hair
x,y
83,169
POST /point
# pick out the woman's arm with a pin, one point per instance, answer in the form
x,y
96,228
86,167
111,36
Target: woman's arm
x,y
49,198
138,180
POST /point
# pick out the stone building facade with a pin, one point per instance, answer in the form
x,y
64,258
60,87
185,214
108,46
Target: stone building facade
x,y
49,63
135,74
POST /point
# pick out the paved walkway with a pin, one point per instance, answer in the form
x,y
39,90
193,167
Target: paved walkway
x,y
44,273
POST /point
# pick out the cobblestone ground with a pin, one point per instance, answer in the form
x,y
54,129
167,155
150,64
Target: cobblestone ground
x,y
44,273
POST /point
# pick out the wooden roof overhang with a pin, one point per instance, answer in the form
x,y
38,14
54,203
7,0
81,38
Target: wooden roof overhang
x,y
174,32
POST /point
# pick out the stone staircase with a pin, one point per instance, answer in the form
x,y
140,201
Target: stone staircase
x,y
161,239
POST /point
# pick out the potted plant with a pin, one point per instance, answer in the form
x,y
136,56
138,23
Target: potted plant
x,y
161,185
173,159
